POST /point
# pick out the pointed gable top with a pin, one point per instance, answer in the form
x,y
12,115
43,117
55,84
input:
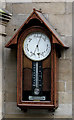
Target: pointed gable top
x,y
41,17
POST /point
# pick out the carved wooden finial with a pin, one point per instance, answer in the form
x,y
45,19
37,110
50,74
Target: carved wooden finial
x,y
34,9
37,10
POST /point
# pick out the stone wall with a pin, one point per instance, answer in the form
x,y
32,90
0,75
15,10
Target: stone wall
x,y
60,16
2,83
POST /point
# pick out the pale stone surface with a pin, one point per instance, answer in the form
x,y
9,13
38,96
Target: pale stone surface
x,y
11,80
18,1
62,23
0,52
1,101
18,20
65,98
29,114
69,1
9,8
68,25
2,4
68,7
15,24
61,86
10,60
66,77
48,0
65,70
58,8
67,40
67,53
58,22
2,29
64,110
2,1
6,41
10,30
0,80
12,108
32,116
69,86
11,96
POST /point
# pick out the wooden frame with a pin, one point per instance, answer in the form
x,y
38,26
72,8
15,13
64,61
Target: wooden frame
x,y
17,41
35,104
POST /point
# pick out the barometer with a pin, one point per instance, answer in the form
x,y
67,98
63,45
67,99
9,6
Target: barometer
x,y
37,47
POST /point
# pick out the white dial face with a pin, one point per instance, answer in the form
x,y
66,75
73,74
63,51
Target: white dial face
x,y
37,46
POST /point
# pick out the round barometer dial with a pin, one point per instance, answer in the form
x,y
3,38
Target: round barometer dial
x,y
37,46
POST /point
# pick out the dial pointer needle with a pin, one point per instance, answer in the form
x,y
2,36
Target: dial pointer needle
x,y
37,45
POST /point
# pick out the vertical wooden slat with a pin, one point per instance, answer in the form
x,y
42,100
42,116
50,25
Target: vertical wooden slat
x,y
18,74
52,73
55,78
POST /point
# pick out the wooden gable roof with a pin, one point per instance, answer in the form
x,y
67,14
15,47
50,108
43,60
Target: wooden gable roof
x,y
38,15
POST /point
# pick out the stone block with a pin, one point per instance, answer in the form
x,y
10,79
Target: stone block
x,y
69,86
0,80
65,70
67,53
10,59
65,77
0,52
68,7
1,116
31,113
72,85
58,22
1,104
16,1
11,96
11,108
53,8
10,80
2,4
2,29
0,101
47,1
18,19
61,86
68,25
6,41
62,23
68,0
10,29
65,98
3,43
2,1
63,111
35,115
9,7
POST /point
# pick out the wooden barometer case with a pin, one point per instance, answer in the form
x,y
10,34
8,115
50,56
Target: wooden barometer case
x,y
38,48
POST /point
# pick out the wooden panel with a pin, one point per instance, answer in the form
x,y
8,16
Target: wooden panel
x,y
27,79
27,62
46,79
46,62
